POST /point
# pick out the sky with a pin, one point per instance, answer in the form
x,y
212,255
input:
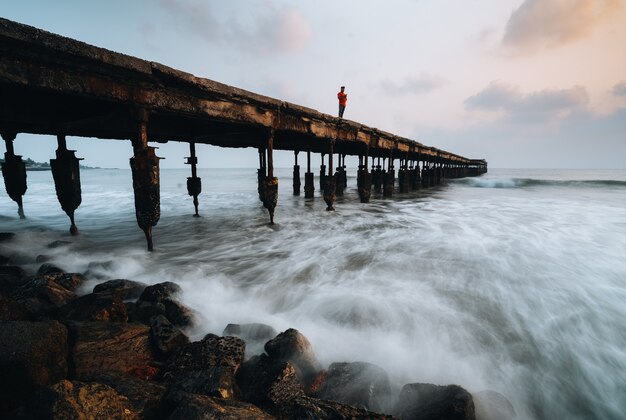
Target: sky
x,y
521,83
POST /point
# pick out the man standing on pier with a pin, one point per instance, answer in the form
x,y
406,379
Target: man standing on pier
x,y
343,98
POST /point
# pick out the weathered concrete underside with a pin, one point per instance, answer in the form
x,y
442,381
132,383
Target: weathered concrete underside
x,y
58,86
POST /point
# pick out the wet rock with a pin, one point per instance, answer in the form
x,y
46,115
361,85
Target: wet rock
x,y
43,295
11,310
47,268
359,384
58,244
433,402
311,408
99,269
105,347
11,277
5,260
268,383
491,405
42,258
159,292
144,311
295,348
216,382
77,400
165,337
32,355
95,307
211,351
71,281
254,335
146,398
178,314
204,407
127,289
6,236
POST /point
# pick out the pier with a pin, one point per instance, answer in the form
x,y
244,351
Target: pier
x,y
58,86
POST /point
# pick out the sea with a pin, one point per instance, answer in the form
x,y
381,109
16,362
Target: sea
x,y
514,281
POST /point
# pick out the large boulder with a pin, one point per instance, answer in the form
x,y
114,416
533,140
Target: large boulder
x,y
159,292
11,310
359,384
159,299
268,383
216,382
106,347
312,408
211,351
204,407
77,400
48,268
71,281
293,347
434,402
32,355
165,337
491,405
95,307
254,335
126,289
44,289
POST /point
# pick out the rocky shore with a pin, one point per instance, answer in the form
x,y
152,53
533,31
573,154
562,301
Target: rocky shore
x,y
121,352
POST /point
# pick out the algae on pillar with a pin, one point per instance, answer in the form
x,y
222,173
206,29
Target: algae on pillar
x,y
66,173
14,173
145,169
194,183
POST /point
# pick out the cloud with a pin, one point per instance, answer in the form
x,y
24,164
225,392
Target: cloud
x,y
274,29
412,85
620,89
546,24
548,105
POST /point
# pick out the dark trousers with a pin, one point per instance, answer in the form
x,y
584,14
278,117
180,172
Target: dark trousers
x,y
341,109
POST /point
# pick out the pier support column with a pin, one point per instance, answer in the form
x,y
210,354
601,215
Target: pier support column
x,y
145,168
14,173
296,175
404,180
309,184
66,173
261,174
390,177
340,176
425,180
270,198
364,180
322,174
330,184
194,183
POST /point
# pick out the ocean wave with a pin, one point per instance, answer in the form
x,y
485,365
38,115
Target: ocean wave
x,y
531,182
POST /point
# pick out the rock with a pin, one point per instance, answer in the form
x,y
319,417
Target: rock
x,y
95,307
159,292
58,244
216,382
71,281
144,311
211,351
433,402
32,355
49,269
99,270
127,289
11,277
359,384
491,405
178,314
165,337
5,260
11,310
204,407
42,258
267,382
109,347
50,294
146,398
254,335
6,236
77,400
294,347
311,408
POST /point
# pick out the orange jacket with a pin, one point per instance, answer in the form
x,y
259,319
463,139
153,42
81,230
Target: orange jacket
x,y
343,98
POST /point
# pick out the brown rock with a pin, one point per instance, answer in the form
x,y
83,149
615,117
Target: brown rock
x,y
11,310
311,408
293,347
177,313
95,307
211,351
105,347
32,355
165,337
51,294
126,289
204,407
47,268
433,402
71,281
254,335
218,382
77,400
159,292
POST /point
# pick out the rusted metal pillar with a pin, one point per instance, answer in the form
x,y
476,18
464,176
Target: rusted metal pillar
x,y
261,174
309,184
322,174
296,175
364,179
66,173
145,168
14,173
270,198
194,183
390,177
329,188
